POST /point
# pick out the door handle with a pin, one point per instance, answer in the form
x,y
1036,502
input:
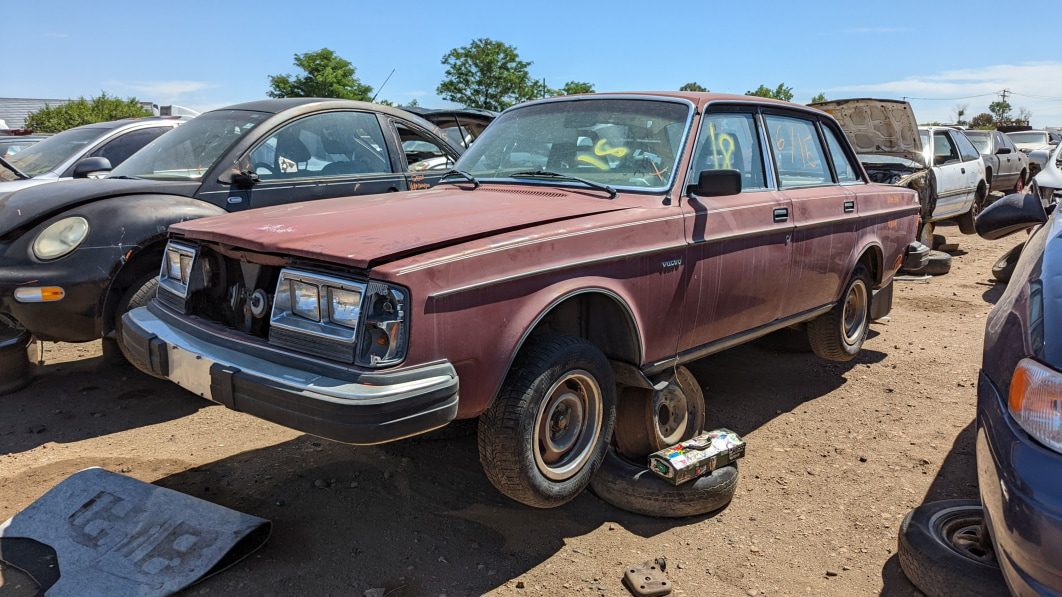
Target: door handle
x,y
963,170
849,207
781,214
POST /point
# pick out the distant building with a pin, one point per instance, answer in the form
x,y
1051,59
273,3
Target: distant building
x,y
15,110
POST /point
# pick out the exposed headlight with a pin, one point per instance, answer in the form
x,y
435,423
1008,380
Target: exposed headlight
x,y
339,319
60,238
177,268
1035,402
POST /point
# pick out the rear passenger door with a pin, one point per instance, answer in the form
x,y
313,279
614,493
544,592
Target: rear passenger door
x,y
738,245
1009,163
973,166
329,154
813,171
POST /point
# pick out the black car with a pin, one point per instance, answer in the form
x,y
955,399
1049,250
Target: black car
x,y
75,255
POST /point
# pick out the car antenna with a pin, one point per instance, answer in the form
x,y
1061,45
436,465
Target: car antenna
x,y
382,85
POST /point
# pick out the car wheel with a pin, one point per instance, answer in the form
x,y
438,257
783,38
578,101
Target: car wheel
x,y
944,550
635,488
1019,185
548,429
648,421
139,294
1003,269
966,220
16,367
838,334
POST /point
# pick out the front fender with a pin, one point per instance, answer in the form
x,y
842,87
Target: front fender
x,y
120,229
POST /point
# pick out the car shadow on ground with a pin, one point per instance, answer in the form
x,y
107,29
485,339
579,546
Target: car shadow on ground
x,y
957,479
77,400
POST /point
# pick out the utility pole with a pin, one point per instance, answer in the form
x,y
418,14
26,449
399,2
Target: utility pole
x,y
1003,95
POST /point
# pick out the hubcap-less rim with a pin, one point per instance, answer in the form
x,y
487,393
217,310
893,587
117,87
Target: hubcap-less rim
x,y
568,425
963,531
671,414
854,318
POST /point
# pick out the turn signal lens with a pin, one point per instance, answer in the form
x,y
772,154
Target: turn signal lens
x,y
39,294
1035,401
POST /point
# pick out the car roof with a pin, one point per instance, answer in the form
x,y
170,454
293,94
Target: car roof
x,y
695,97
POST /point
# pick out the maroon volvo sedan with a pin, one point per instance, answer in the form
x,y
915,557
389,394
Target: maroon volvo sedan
x,y
586,249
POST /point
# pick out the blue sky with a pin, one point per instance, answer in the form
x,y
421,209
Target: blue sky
x,y
206,55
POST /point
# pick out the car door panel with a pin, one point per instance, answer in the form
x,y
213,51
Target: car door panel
x,y
950,173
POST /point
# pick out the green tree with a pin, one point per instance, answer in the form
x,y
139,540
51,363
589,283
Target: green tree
x,y
781,92
693,86
818,98
1000,109
575,87
983,121
326,74
54,119
487,74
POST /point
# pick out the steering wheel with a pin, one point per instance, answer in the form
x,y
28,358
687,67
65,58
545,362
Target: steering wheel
x,y
255,166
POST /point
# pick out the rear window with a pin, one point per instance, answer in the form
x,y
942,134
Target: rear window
x,y
979,140
798,154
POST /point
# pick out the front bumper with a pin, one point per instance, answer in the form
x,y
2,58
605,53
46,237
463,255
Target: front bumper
x,y
1021,490
342,404
915,257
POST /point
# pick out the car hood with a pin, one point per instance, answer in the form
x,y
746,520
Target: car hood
x,y
878,127
27,206
366,231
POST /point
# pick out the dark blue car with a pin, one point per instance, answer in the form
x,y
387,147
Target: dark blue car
x,y
960,547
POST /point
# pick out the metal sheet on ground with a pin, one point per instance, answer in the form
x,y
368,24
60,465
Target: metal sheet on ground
x,y
114,535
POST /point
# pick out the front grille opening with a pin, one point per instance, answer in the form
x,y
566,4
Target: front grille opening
x,y
237,294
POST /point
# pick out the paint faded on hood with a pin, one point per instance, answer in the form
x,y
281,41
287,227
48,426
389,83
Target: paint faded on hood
x,y
878,127
27,206
366,231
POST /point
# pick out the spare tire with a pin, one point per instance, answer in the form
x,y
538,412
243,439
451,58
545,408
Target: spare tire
x,y
938,263
943,551
1003,269
635,488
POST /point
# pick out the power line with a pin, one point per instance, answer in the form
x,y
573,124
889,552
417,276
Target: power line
x,y
1043,97
950,99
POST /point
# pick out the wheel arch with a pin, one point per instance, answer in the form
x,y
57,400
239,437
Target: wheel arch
x,y
873,258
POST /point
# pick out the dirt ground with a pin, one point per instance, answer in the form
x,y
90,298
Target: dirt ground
x,y
837,455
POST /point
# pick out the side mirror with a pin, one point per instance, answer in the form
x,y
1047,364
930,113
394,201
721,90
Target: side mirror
x,y
89,166
716,183
1003,151
1010,214
238,178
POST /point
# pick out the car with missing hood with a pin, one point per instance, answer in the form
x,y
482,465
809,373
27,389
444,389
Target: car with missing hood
x,y
78,253
80,152
938,162
582,242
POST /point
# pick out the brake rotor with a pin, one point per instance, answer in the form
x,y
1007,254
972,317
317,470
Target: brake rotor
x,y
648,421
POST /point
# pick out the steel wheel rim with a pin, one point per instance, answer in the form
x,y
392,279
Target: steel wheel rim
x,y
567,425
671,414
963,531
854,316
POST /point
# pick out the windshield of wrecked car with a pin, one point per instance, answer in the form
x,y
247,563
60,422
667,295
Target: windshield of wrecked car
x,y
190,150
1028,137
624,143
50,153
979,140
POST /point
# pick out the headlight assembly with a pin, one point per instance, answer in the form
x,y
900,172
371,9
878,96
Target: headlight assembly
x,y
177,268
61,237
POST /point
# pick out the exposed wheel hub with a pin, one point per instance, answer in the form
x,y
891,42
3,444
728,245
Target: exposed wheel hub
x,y
648,421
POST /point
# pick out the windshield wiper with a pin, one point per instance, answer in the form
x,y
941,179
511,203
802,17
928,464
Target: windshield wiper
x,y
462,174
13,169
551,174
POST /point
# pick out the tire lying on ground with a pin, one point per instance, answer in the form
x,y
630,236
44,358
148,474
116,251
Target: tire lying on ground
x,y
937,264
1004,267
942,550
635,488
16,368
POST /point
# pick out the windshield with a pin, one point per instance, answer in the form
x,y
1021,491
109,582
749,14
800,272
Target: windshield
x,y
52,152
1028,137
619,142
190,150
980,140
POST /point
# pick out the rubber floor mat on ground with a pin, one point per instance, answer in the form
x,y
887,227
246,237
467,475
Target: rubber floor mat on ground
x,y
101,533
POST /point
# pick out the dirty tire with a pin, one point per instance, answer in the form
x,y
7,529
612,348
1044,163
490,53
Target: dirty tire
x,y
966,220
139,294
508,449
931,562
1019,185
938,264
938,241
635,488
825,334
1003,269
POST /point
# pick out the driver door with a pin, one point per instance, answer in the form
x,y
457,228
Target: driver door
x,y
952,187
320,156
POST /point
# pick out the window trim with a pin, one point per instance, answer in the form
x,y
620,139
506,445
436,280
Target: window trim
x,y
855,165
266,136
753,111
813,119
933,135
404,162
955,134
